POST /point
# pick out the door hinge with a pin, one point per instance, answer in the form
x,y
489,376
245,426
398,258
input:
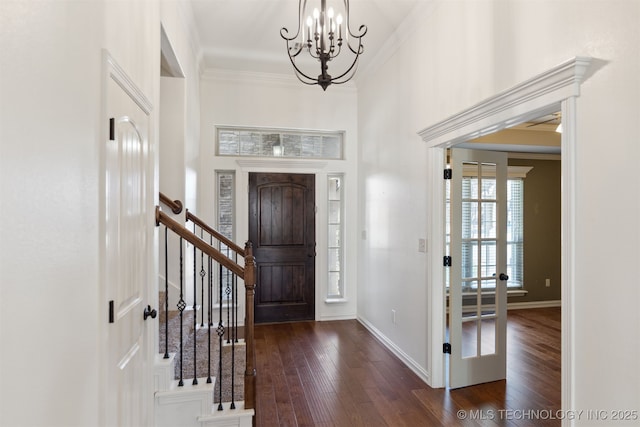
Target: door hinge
x,y
111,317
112,129
448,173
446,261
446,348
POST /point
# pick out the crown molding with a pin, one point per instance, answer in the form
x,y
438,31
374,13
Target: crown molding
x,y
534,96
268,79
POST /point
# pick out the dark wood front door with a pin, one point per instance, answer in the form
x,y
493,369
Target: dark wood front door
x,y
282,229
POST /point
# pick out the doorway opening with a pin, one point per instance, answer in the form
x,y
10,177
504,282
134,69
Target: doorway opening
x,y
556,89
532,263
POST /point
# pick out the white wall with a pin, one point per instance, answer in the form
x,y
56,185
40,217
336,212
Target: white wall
x,y
461,53
179,135
51,311
258,100
49,216
177,21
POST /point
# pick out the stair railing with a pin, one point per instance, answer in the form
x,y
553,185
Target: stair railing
x,y
227,260
175,205
227,280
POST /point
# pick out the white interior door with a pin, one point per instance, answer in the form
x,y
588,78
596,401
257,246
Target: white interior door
x,y
477,281
127,263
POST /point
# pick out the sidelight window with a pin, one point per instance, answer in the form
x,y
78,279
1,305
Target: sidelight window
x,y
225,222
335,188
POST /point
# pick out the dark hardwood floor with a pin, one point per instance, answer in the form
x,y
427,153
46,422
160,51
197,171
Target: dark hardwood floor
x,y
337,374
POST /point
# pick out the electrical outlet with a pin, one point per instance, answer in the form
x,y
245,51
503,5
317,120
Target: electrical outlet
x,y
547,283
393,314
422,245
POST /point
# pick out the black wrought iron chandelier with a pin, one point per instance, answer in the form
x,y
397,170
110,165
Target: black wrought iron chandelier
x,y
320,34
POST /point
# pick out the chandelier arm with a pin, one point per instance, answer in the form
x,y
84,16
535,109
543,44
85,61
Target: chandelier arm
x,y
299,73
353,64
291,48
339,82
363,31
360,48
314,54
284,34
337,52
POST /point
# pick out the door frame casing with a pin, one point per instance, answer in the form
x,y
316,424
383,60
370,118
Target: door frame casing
x,y
243,167
557,88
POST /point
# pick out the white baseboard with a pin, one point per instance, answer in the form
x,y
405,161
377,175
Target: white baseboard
x,y
340,317
533,304
522,305
404,357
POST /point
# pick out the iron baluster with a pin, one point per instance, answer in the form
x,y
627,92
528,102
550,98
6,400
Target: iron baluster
x,y
166,294
202,274
181,307
195,315
209,324
235,299
227,292
220,331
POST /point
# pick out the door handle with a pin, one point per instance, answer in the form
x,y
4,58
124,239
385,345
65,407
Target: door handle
x,y
149,312
504,276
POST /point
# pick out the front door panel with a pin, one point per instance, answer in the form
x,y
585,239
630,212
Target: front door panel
x,y
282,230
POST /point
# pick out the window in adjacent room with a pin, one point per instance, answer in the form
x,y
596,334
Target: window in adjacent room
x,y
515,231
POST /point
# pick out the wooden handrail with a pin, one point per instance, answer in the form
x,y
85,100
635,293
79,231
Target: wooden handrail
x,y
200,223
175,205
176,227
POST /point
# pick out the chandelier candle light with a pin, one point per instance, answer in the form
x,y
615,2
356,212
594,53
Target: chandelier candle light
x,y
321,35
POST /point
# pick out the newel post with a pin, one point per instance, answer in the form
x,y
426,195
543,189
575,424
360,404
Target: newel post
x,y
249,286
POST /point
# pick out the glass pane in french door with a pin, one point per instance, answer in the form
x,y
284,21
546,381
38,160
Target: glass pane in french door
x,y
479,258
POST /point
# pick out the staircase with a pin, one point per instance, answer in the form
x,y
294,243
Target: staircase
x,y
200,336
192,405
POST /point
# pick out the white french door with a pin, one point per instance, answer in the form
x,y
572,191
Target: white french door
x,y
477,280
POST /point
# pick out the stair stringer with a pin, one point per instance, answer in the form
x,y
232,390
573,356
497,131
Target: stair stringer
x,y
238,417
182,406
191,405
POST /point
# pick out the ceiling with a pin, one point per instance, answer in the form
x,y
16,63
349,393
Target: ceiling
x,y
244,35
534,136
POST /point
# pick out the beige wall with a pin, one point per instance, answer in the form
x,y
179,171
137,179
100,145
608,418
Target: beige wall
x,y
542,244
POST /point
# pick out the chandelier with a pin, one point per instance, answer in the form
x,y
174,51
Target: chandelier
x,y
321,35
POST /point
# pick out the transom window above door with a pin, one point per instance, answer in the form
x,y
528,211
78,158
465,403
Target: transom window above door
x,y
254,142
